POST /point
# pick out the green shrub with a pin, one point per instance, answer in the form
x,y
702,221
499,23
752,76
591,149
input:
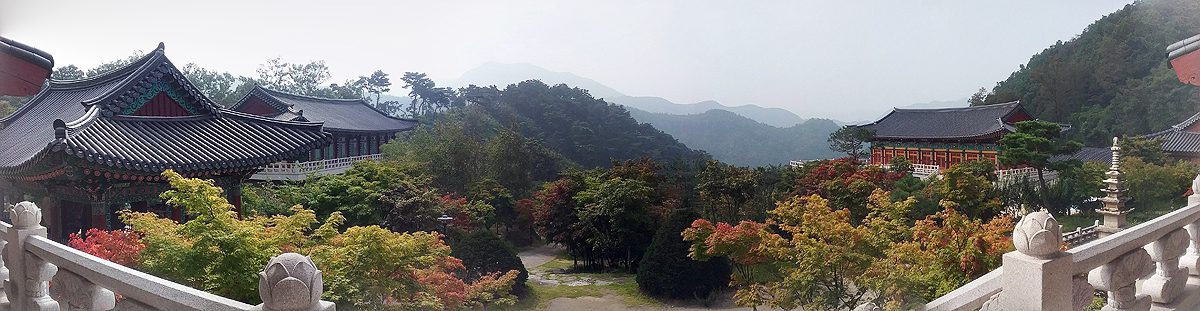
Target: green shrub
x,y
666,270
483,252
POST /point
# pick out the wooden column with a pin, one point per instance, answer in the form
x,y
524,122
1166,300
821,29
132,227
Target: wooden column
x,y
100,212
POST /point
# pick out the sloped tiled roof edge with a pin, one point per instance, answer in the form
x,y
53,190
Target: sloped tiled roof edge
x,y
348,115
951,123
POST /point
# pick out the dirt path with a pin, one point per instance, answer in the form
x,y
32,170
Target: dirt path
x,y
538,255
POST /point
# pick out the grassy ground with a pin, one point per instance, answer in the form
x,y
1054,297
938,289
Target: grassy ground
x,y
618,284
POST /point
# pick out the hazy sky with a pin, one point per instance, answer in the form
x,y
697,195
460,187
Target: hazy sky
x,y
849,60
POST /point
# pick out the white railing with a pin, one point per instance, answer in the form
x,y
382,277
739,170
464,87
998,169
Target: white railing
x,y
1010,176
925,170
301,170
1082,234
1152,266
40,274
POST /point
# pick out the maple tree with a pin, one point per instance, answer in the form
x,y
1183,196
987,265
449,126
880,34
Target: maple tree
x,y
123,246
361,266
947,250
812,255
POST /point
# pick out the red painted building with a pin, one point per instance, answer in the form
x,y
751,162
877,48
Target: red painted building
x,y
943,137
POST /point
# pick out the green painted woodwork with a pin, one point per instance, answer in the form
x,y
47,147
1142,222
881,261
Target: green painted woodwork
x,y
160,86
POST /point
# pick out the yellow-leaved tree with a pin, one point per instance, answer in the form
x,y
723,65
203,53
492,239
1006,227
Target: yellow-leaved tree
x,y
217,252
811,255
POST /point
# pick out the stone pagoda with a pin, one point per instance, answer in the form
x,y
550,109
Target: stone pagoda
x,y
1114,197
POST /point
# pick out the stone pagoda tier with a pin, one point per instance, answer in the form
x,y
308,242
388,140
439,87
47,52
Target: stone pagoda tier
x,y
1114,199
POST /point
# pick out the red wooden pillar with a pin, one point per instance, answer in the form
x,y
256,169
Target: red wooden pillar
x,y
99,218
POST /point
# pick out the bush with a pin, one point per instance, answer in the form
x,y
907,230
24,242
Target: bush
x,y
483,252
666,270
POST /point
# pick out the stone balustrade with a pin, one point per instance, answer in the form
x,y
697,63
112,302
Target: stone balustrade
x,y
1152,266
42,275
301,170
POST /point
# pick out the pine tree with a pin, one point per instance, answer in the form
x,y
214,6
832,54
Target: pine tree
x,y
666,270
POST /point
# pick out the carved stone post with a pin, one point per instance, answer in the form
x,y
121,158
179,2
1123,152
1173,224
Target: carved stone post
x,y
1119,277
29,276
1038,273
4,303
1192,259
77,293
291,282
1169,279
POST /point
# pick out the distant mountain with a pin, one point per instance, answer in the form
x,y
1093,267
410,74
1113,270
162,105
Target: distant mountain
x,y
778,117
738,140
501,75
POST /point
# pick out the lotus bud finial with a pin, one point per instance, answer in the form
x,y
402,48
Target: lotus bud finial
x,y
25,215
290,282
1038,235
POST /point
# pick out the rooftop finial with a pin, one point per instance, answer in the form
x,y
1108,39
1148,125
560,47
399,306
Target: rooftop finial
x,y
1116,155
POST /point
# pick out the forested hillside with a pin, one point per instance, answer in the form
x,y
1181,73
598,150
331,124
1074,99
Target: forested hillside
x,y
586,130
738,140
1113,78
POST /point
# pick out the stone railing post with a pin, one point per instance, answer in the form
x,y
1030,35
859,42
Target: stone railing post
x,y
1192,259
1039,272
1169,278
28,284
1119,277
291,282
77,293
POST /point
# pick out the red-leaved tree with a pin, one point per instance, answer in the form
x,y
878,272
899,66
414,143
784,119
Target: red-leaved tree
x,y
123,246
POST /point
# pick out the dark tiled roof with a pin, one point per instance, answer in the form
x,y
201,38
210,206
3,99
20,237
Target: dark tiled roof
x,y
1088,154
338,114
946,123
1181,141
153,144
97,131
1177,139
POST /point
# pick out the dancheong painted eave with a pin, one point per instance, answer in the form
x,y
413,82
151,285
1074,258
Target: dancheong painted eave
x,y
144,117
339,115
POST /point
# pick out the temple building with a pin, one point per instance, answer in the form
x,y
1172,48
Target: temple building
x,y
85,149
358,130
943,137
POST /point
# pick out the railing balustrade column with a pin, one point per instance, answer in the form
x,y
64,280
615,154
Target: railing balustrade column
x,y
29,276
77,293
1192,259
1038,273
3,276
1169,279
1119,277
